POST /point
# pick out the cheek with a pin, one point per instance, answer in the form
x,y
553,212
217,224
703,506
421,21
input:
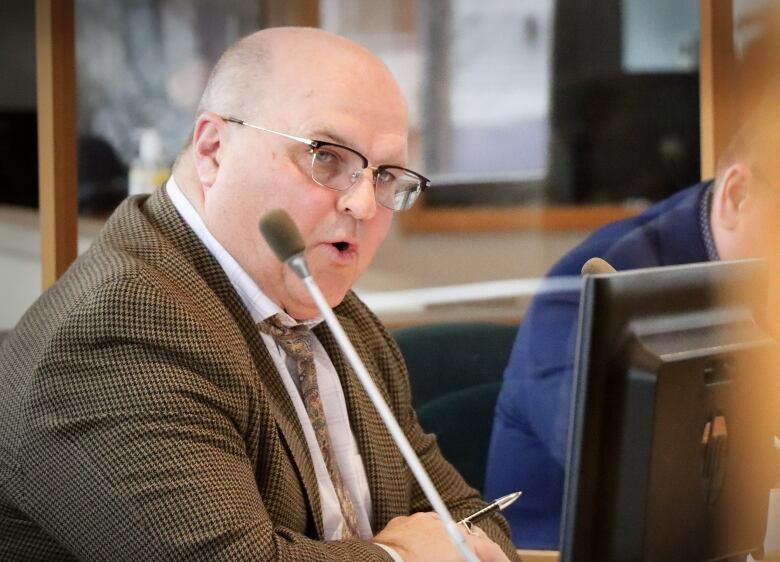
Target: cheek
x,y
232,210
252,190
376,234
228,207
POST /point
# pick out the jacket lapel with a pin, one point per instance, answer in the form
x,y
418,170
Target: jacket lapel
x,y
385,468
287,421
160,209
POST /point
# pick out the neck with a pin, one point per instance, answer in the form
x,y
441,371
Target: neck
x,y
187,179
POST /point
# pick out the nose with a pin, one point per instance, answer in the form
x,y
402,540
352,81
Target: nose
x,y
360,199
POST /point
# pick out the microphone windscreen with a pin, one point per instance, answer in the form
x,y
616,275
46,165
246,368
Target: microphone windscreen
x,y
281,234
594,266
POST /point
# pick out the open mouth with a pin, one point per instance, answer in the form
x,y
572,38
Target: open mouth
x,y
341,246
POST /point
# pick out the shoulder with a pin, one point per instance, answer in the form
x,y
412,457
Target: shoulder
x,y
374,343
643,240
665,232
134,344
134,293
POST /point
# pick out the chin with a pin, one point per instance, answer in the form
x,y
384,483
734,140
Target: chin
x,y
306,310
334,286
334,298
302,308
298,303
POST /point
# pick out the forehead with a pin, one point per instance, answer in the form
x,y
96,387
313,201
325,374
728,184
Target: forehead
x,y
345,93
379,144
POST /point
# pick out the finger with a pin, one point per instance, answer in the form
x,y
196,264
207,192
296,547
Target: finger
x,y
487,551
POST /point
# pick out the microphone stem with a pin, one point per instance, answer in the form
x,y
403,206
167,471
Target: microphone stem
x,y
390,422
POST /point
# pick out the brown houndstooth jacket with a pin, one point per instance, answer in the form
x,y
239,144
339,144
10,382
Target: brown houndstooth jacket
x,y
141,417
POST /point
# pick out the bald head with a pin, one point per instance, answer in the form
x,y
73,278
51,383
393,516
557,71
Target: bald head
x,y
265,70
272,64
236,77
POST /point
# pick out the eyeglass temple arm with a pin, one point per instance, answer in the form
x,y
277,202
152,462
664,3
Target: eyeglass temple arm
x,y
304,140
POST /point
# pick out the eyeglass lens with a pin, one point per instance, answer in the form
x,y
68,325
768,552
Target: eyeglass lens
x,y
338,168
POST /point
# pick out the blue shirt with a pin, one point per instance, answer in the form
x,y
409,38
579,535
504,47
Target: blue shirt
x,y
530,429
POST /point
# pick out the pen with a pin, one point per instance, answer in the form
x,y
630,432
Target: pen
x,y
498,505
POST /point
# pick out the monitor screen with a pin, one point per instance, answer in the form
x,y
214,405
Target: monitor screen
x,y
671,443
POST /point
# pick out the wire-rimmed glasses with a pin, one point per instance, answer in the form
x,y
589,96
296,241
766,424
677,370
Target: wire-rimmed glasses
x,y
339,167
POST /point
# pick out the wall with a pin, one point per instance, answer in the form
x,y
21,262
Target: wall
x,y
20,269
20,255
423,260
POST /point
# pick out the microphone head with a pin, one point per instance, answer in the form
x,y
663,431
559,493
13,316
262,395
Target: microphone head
x,y
281,234
595,266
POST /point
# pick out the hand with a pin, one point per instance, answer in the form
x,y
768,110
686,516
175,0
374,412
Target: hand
x,y
422,537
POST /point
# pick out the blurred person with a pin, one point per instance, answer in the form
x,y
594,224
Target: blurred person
x,y
175,395
736,215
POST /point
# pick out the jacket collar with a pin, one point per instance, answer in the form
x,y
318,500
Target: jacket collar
x,y
680,237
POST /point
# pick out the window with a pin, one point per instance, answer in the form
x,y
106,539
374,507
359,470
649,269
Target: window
x,y
142,65
531,106
523,107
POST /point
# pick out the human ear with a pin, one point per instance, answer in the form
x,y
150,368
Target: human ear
x,y
206,144
731,196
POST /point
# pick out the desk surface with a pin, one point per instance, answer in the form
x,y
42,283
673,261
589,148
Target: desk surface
x,y
538,555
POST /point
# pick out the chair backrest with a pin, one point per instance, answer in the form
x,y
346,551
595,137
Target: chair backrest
x,y
444,358
462,422
455,372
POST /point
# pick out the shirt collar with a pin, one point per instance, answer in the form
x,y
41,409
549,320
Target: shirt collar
x,y
256,301
705,206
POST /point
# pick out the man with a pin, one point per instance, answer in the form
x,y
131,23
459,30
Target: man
x,y
735,216
157,403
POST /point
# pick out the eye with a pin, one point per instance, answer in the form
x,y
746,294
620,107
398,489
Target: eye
x,y
326,156
386,176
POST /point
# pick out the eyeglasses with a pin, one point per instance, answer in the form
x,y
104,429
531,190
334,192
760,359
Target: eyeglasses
x,y
339,167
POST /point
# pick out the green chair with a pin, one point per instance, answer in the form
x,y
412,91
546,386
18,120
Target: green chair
x,y
455,372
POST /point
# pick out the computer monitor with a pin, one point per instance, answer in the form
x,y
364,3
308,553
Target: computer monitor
x,y
675,407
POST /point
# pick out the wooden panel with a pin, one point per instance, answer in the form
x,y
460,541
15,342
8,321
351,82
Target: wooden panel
x,y
538,555
718,83
56,136
291,12
422,219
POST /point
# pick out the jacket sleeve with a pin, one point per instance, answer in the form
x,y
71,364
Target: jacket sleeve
x,y
133,448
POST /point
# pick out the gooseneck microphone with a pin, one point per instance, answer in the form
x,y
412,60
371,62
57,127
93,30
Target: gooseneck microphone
x,y
285,240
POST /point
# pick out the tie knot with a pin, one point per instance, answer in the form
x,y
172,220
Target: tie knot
x,y
295,340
